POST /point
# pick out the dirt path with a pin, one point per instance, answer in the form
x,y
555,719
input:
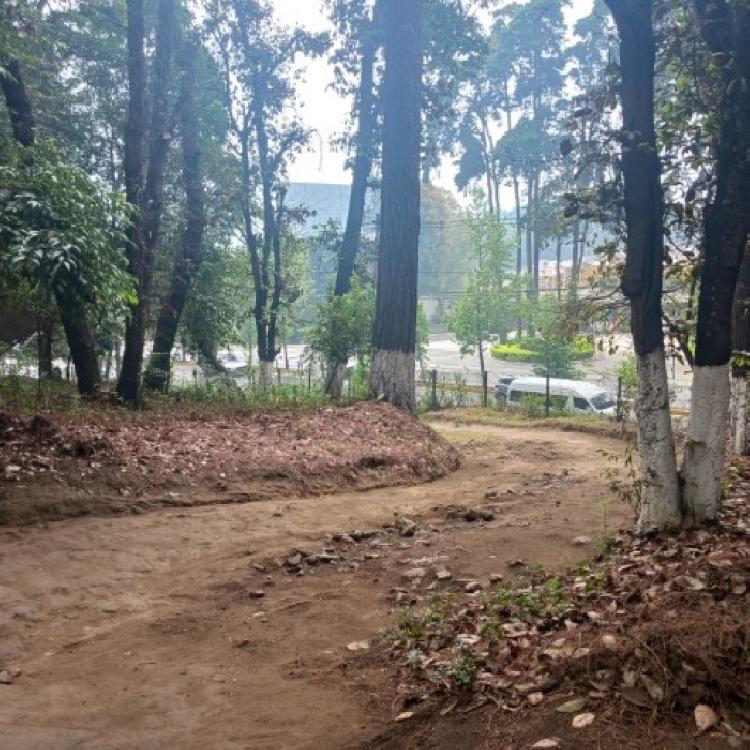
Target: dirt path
x,y
143,631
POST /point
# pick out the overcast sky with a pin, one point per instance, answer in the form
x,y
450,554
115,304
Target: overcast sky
x,y
326,112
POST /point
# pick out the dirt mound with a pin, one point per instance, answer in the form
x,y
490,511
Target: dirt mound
x,y
56,467
649,646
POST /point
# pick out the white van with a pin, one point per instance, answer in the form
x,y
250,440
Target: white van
x,y
565,395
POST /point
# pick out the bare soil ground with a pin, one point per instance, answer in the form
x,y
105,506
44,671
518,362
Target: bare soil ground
x,y
110,461
228,625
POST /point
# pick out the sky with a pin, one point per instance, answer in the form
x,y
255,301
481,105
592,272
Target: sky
x,y
326,112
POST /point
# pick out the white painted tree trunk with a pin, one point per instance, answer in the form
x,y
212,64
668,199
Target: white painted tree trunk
x,y
392,378
266,374
739,416
705,448
660,506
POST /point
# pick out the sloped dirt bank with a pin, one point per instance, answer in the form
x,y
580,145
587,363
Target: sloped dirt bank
x,y
59,467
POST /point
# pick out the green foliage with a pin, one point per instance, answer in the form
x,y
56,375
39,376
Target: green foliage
x,y
530,350
487,307
344,323
61,230
627,370
229,396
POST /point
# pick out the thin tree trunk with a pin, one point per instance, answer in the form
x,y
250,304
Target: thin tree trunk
x,y
188,257
725,30
660,506
144,235
394,342
558,263
360,177
44,328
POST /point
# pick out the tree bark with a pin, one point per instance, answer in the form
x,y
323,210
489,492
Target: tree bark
x,y
739,411
44,329
660,503
144,234
394,342
188,257
725,29
360,177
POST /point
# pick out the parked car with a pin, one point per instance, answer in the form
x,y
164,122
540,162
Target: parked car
x,y
502,388
565,395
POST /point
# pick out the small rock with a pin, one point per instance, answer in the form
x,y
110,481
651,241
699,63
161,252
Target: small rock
x,y
705,717
443,574
260,568
609,642
472,587
582,541
405,716
356,536
294,561
490,495
242,643
688,582
496,577
405,526
259,594
414,573
549,742
467,639
517,564
572,706
535,698
583,720
358,646
7,676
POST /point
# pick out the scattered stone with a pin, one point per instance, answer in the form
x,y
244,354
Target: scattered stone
x,y
572,706
472,587
535,698
496,577
582,541
405,526
467,639
294,561
517,564
610,642
259,594
583,720
690,583
356,536
705,717
7,676
242,643
490,495
260,568
414,573
405,716
443,574
358,646
549,742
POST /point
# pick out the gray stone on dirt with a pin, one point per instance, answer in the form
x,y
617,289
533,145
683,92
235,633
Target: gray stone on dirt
x,y
572,706
294,561
7,676
259,594
443,574
414,573
472,587
582,541
360,536
496,577
405,526
260,568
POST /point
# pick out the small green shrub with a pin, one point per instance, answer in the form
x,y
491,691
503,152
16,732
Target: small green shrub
x,y
528,350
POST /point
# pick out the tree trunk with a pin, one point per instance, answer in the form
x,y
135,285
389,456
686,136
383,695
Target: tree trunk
x,y
558,261
77,331
80,342
45,325
660,506
144,234
188,257
739,411
725,30
396,306
360,177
